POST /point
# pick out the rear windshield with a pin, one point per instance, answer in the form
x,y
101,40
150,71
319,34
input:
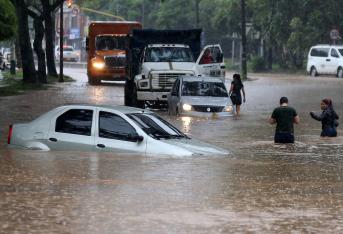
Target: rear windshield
x,y
320,52
201,88
110,43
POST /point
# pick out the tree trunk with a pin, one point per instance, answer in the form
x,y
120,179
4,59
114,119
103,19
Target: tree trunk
x,y
17,52
37,45
29,71
49,38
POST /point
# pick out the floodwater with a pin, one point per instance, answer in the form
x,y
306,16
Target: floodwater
x,y
259,188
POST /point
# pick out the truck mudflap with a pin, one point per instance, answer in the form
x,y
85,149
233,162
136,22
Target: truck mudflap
x,y
152,96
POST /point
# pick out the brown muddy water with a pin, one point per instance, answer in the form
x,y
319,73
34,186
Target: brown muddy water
x,y
259,188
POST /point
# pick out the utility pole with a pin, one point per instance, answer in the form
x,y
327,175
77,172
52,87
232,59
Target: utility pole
x,y
197,13
244,42
61,44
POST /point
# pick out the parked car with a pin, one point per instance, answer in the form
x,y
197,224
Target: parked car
x,y
325,59
199,94
69,54
105,128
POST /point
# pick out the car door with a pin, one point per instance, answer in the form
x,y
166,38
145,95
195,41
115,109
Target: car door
x,y
321,59
115,131
72,129
334,61
211,62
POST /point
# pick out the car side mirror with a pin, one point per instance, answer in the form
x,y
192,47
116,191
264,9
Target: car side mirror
x,y
135,137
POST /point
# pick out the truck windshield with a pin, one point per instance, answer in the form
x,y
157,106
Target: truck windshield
x,y
155,126
168,54
201,88
110,42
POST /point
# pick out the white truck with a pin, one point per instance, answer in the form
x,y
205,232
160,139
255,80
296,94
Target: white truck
x,y
160,64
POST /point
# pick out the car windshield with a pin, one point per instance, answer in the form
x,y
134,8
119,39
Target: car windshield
x,y
168,54
202,88
155,126
68,49
341,51
110,42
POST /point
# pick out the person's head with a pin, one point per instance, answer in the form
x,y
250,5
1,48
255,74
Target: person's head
x,y
325,103
283,101
236,77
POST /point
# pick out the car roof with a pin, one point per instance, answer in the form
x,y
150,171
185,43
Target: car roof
x,y
123,109
327,46
201,78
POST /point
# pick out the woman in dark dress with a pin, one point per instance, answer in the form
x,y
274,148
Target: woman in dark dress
x,y
235,92
328,118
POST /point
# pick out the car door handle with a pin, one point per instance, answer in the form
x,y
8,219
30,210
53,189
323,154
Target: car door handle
x,y
101,145
52,139
328,60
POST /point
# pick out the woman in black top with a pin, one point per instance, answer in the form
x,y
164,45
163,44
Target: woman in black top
x,y
235,92
328,118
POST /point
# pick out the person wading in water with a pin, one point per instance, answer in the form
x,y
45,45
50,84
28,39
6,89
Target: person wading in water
x,y
284,117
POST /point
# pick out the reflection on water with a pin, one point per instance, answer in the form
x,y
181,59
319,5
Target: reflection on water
x,y
186,124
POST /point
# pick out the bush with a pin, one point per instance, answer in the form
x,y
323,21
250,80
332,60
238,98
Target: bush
x,y
257,64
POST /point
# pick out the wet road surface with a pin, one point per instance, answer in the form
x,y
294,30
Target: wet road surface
x,y
259,188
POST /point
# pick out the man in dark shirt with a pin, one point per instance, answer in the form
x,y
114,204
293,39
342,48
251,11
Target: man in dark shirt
x,y
284,117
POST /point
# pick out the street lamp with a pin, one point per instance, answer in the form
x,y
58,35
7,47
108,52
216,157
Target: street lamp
x,y
69,4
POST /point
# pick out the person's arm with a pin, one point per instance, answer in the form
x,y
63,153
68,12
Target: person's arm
x,y
272,119
231,89
243,91
296,119
316,116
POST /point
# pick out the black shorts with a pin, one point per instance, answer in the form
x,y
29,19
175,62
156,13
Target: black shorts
x,y
283,137
236,99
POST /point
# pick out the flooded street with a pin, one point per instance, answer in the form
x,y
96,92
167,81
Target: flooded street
x,y
259,188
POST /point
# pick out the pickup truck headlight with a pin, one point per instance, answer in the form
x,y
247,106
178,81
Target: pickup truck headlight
x,y
98,64
186,107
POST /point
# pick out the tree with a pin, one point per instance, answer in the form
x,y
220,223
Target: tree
x,y
29,72
8,20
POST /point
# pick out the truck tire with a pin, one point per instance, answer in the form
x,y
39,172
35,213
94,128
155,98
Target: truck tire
x,y
128,91
93,80
137,103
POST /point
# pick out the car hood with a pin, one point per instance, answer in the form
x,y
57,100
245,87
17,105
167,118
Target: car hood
x,y
197,147
206,101
150,66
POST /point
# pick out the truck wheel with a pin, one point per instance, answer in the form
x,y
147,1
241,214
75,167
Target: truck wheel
x,y
128,91
136,102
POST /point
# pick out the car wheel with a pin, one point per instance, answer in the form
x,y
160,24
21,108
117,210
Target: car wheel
x,y
340,72
313,72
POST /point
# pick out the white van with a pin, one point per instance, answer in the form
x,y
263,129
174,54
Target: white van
x,y
325,59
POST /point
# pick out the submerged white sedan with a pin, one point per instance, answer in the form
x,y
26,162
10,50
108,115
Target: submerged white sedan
x,y
199,95
106,128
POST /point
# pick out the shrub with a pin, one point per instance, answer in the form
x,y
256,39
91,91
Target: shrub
x,y
257,64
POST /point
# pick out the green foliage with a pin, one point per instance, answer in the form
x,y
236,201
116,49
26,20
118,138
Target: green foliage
x,y
288,27
8,20
257,64
14,85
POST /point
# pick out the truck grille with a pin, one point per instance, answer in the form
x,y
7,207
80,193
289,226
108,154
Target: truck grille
x,y
115,62
165,80
201,108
